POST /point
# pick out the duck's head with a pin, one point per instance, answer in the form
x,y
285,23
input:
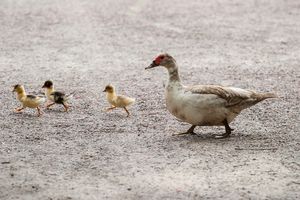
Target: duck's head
x,y
109,89
18,88
164,60
48,84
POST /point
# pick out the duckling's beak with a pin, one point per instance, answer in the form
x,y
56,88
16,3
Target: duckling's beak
x,y
44,86
153,64
104,90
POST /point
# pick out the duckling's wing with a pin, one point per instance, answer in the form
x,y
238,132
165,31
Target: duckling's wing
x,y
38,99
29,96
123,101
62,94
59,97
59,94
233,96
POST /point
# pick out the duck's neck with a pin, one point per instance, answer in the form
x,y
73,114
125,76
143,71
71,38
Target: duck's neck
x,y
174,78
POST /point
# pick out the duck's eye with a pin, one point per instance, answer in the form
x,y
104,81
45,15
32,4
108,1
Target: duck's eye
x,y
162,57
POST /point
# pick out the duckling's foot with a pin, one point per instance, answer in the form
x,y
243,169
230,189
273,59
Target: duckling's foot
x,y
66,107
39,111
227,133
190,131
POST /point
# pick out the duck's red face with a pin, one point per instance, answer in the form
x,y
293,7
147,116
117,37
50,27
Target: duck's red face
x,y
157,61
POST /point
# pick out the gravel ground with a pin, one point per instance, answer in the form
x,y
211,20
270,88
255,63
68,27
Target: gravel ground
x,y
82,45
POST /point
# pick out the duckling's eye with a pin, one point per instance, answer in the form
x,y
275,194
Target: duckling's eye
x,y
162,57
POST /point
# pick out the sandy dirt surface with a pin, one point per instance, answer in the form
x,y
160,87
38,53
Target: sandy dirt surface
x,y
87,154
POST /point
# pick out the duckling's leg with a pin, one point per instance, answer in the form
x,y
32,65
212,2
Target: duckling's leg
x,y
51,104
190,131
127,111
39,111
19,109
110,108
66,107
227,129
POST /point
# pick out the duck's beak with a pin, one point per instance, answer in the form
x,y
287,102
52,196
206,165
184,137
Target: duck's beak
x,y
104,90
153,64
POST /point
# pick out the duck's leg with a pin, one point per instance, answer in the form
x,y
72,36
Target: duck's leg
x,y
66,107
227,129
39,111
127,111
190,131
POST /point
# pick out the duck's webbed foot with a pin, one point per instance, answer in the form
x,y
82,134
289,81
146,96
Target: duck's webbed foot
x,y
227,129
190,131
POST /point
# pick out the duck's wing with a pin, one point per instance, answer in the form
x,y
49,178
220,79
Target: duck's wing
x,y
233,96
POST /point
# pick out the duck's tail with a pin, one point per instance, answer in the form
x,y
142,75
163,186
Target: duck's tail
x,y
258,97
254,99
268,95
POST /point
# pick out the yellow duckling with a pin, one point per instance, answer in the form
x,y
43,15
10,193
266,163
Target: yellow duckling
x,y
28,101
117,101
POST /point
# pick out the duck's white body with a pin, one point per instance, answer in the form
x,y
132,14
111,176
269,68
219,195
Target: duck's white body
x,y
204,105
200,109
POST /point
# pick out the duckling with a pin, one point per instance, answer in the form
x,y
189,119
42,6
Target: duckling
x,y
204,105
55,97
28,101
117,101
